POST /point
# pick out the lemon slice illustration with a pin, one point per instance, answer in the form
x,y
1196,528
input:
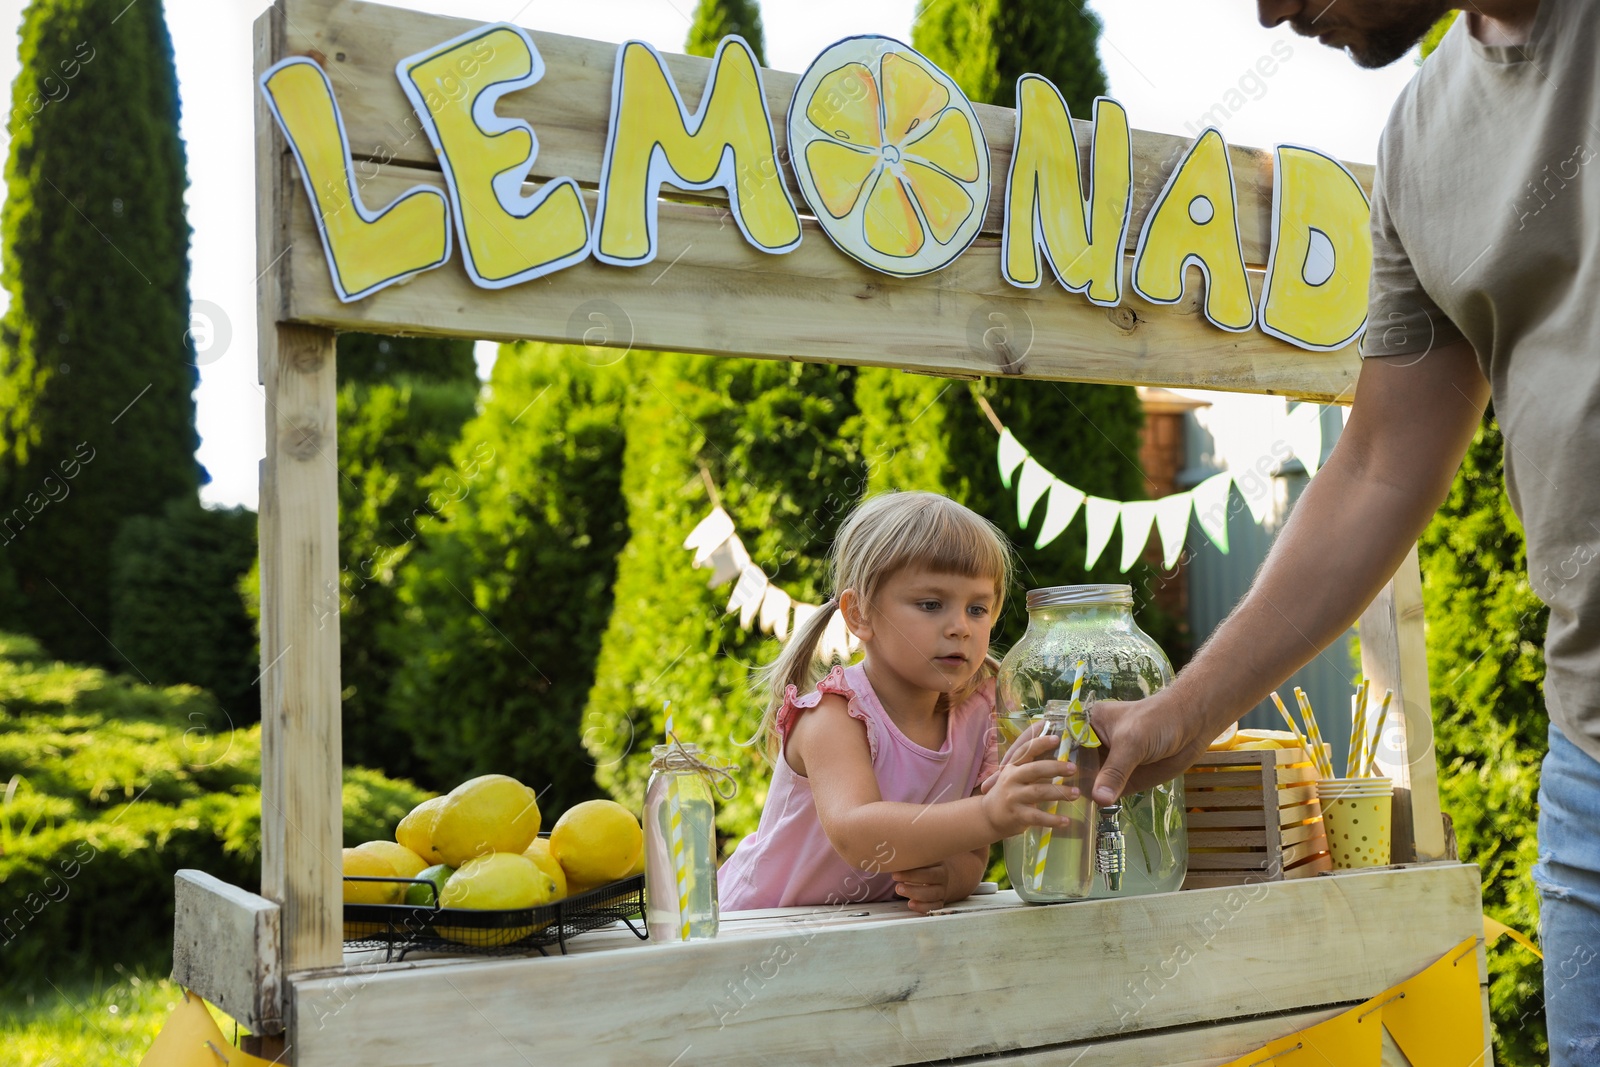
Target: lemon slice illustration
x,y
889,155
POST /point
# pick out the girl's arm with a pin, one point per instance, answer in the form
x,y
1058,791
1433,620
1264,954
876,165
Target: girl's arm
x,y
831,749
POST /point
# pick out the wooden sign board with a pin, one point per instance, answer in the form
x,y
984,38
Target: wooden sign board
x,y
710,290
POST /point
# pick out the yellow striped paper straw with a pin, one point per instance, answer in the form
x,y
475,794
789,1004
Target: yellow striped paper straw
x,y
1358,732
1074,707
1313,734
1370,757
1294,727
680,869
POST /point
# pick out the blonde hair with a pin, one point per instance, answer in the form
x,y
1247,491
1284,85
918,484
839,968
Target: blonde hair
x,y
887,533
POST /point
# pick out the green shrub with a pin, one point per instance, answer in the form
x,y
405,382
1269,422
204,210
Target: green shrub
x,y
112,786
1485,667
176,613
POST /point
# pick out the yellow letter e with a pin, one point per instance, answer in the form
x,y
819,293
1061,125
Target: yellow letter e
x,y
506,237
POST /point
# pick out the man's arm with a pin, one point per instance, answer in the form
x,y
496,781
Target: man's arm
x,y
1412,421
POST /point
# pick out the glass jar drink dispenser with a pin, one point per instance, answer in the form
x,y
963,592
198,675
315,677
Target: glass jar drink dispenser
x,y
1146,836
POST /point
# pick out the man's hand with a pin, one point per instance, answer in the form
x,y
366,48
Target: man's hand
x,y
1146,742
1412,420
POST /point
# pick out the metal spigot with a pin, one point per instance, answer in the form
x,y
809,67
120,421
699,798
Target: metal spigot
x,y
1111,849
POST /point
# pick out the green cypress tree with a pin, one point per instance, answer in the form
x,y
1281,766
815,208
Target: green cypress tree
x,y
772,438
402,404
1087,434
503,601
95,357
716,19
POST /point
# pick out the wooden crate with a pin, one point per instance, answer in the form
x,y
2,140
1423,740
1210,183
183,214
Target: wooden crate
x,y
1253,817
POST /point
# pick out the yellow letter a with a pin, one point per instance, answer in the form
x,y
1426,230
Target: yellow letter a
x,y
366,250
653,138
1045,202
1194,221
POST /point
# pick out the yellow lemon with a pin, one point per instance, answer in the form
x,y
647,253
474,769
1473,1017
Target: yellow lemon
x,y
539,853
638,866
370,864
497,881
890,155
493,813
406,863
596,842
416,829
1283,737
1225,739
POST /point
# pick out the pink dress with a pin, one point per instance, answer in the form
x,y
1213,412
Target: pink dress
x,y
789,861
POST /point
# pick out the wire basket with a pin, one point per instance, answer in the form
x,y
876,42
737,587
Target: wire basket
x,y
400,929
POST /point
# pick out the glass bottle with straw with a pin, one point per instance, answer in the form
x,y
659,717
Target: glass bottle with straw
x,y
681,840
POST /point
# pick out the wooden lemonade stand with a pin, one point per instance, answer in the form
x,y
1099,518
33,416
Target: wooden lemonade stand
x,y
1200,976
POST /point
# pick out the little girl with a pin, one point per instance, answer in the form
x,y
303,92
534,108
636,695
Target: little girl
x,y
877,770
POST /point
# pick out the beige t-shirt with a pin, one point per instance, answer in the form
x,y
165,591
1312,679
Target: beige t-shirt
x,y
1486,225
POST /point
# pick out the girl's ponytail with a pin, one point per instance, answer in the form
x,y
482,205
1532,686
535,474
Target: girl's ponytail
x,y
796,666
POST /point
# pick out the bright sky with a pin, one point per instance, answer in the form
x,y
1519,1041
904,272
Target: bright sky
x,y
1169,62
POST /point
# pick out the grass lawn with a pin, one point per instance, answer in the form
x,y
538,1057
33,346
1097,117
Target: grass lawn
x,y
103,1020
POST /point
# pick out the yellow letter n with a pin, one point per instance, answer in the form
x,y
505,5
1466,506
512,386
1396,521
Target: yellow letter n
x,y
1045,205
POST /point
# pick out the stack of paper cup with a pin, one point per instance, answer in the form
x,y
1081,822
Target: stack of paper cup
x,y
1357,814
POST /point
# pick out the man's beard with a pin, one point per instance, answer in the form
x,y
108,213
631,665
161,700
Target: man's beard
x,y
1405,24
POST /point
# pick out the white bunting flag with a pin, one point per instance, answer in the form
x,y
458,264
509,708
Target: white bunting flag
x,y
1100,516
1304,428
709,535
1211,508
1172,523
1033,484
835,640
1137,515
802,614
727,561
748,594
775,612
1010,454
1065,500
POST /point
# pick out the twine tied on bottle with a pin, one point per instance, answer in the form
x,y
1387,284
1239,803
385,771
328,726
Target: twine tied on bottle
x,y
680,760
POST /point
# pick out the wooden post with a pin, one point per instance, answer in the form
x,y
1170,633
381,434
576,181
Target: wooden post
x,y
1394,655
301,819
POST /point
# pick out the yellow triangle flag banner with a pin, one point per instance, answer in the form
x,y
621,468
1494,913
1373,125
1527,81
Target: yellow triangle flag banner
x,y
1494,930
191,1038
1437,1017
1346,1040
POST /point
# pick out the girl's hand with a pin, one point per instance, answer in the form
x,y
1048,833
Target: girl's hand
x,y
927,889
1012,795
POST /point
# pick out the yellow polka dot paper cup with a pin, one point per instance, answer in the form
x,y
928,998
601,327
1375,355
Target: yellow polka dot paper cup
x,y
1358,815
